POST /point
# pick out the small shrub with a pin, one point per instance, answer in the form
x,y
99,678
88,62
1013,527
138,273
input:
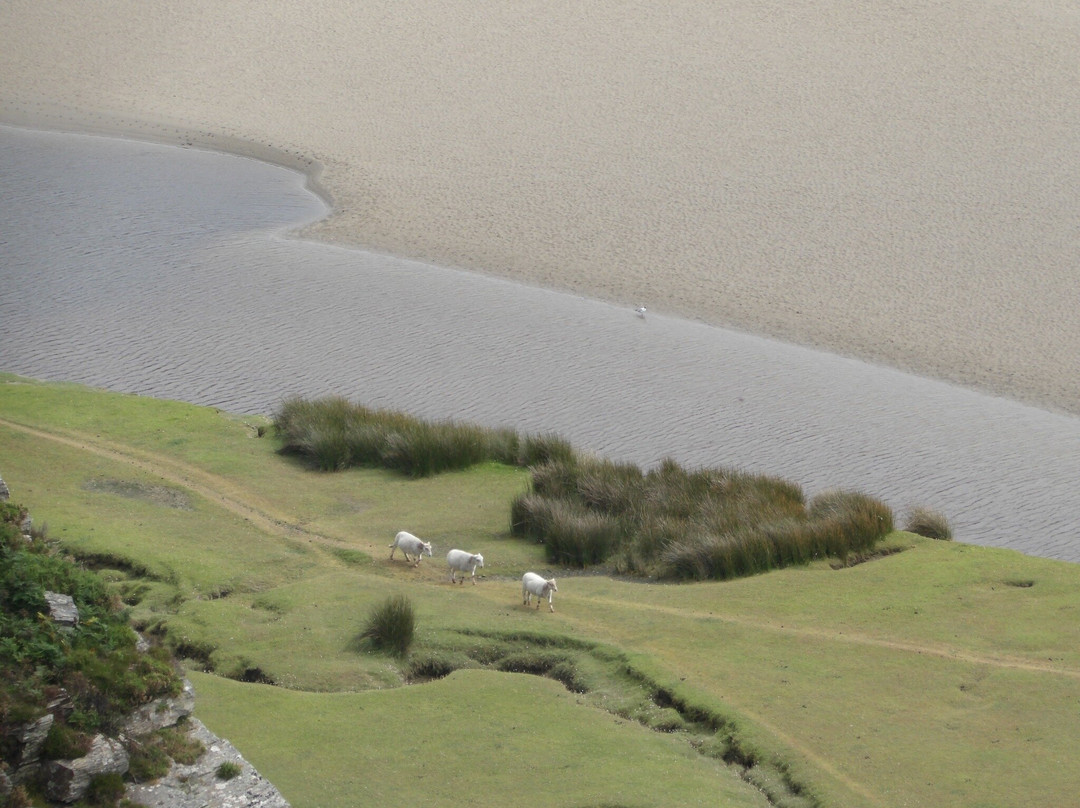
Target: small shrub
x,y
179,745
928,523
18,798
147,761
104,790
152,756
390,626
65,743
228,770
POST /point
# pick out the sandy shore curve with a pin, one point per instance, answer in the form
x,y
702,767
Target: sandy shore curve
x,y
897,183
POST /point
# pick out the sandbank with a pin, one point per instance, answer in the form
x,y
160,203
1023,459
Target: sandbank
x,y
896,183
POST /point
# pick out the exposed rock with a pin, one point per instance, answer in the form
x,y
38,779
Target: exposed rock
x,y
5,494
62,609
141,643
198,786
161,713
30,739
67,780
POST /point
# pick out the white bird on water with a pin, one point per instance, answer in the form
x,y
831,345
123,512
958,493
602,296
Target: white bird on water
x,y
640,312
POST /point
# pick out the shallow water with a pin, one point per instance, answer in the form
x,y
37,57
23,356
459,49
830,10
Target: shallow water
x,y
167,272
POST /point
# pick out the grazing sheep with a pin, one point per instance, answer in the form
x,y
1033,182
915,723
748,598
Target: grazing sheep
x,y
408,543
533,584
460,561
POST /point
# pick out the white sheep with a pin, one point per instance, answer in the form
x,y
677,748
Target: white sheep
x,y
408,543
460,561
533,584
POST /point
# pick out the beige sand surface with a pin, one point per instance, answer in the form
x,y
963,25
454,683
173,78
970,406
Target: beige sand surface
x,y
896,181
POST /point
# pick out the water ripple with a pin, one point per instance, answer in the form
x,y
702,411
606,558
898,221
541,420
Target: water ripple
x,y
165,272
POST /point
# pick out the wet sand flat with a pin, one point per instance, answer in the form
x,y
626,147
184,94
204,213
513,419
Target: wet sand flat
x,y
893,182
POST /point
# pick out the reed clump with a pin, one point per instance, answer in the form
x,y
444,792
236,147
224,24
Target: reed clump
x,y
334,434
929,523
670,522
676,523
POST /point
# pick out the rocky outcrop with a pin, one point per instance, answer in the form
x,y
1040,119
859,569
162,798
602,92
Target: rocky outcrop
x,y
30,738
199,785
185,786
62,610
68,780
161,713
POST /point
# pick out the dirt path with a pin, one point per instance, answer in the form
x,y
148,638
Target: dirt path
x,y
855,638
237,500
217,490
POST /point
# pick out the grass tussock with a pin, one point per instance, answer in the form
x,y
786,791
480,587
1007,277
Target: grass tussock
x,y
228,770
151,757
675,523
929,523
333,434
390,626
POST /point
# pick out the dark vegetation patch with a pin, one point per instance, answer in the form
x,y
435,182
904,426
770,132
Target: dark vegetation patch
x,y
861,558
254,675
155,494
332,434
677,524
65,742
105,790
435,665
1020,583
193,651
99,562
89,676
151,756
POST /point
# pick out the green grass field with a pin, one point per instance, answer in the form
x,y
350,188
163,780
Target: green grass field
x,y
942,675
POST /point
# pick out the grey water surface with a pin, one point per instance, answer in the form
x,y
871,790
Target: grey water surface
x,y
168,272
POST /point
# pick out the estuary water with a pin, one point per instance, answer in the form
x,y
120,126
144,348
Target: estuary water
x,y
169,272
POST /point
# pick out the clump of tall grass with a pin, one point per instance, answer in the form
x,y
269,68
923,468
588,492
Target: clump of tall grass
x,y
390,626
228,770
928,523
334,434
686,524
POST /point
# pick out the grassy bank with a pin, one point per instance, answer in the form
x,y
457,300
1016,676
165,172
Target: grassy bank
x,y
944,674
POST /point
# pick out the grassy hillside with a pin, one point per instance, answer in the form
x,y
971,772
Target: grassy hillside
x,y
945,674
